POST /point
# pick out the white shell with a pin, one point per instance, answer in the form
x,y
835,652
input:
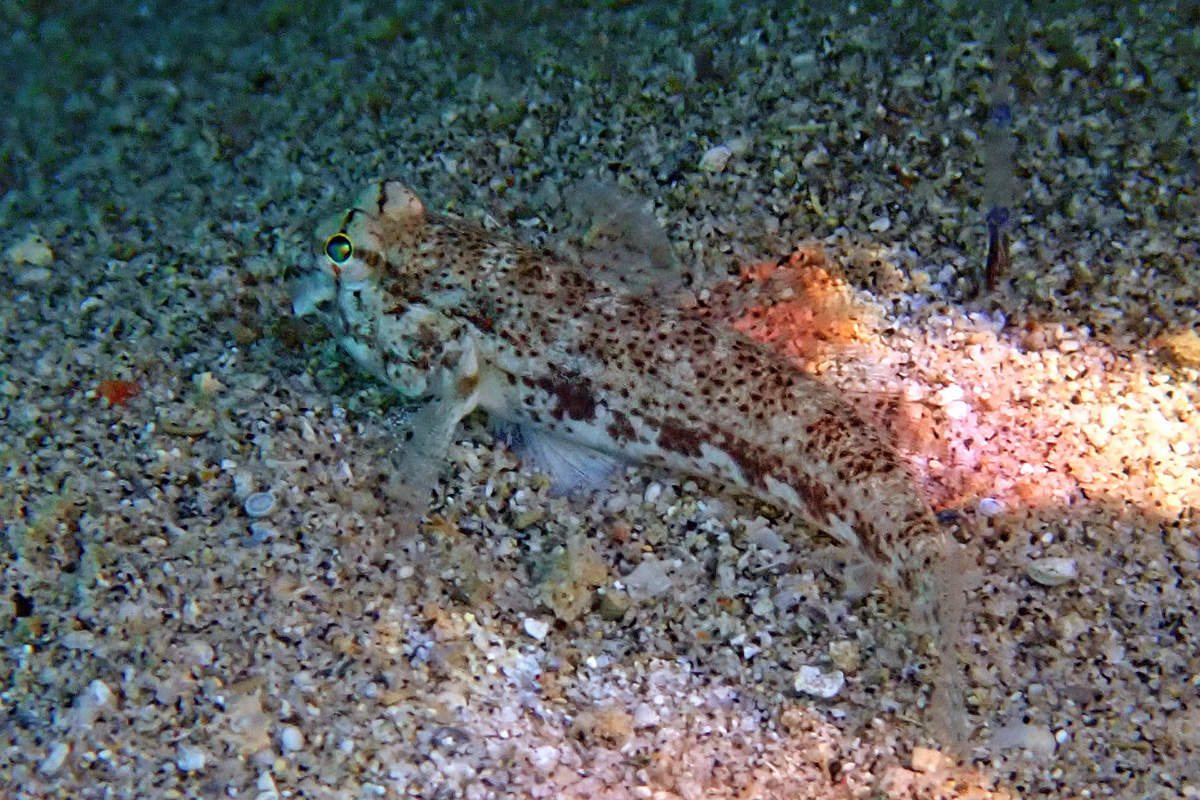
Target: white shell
x,y
958,410
990,507
536,628
290,738
949,394
1052,571
715,159
259,504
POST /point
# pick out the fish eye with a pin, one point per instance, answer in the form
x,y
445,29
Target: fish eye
x,y
339,248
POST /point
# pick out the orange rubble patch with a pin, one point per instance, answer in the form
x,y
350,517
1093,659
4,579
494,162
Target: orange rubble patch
x,y
118,393
815,310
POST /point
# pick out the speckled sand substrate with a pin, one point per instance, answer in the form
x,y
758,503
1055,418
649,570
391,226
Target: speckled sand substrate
x,y
641,641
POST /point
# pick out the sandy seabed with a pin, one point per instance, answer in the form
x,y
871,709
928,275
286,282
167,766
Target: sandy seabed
x,y
169,630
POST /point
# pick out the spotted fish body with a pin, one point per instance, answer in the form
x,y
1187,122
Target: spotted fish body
x,y
462,318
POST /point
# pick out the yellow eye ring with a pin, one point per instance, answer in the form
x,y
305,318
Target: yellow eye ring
x,y
339,248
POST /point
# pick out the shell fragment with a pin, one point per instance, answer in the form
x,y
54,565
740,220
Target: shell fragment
x,y
1052,571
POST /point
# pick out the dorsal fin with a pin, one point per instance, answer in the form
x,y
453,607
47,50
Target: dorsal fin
x,y
623,245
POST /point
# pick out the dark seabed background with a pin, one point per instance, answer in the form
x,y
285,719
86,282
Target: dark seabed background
x,y
204,590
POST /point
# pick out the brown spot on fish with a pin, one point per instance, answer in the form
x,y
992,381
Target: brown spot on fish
x,y
466,384
620,429
574,394
753,470
677,437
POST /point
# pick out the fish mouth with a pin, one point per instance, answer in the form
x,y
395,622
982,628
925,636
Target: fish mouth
x,y
313,292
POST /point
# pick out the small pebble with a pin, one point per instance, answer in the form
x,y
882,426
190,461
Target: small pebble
x,y
958,410
949,394
266,786
207,383
102,696
613,604
191,759
644,716
259,504
814,157
762,607
926,759
54,760
767,539
32,276
200,653
845,655
191,611
78,640
290,738
528,518
617,504
1037,740
544,758
648,579
811,681
536,628
260,533
880,225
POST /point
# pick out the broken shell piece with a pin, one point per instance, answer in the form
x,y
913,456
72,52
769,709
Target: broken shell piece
x,y
33,249
1052,571
845,655
206,383
958,410
811,681
949,394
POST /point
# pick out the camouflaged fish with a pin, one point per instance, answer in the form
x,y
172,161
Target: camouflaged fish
x,y
592,375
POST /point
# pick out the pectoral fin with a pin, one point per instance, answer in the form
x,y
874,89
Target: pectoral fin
x,y
570,465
